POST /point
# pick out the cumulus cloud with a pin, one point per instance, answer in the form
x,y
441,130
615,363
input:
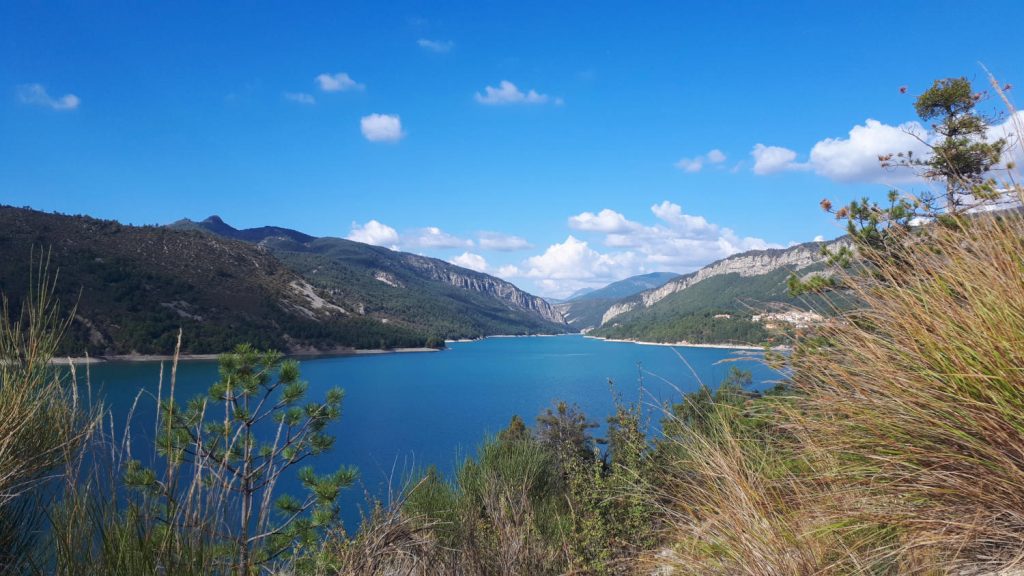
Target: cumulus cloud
x,y
854,158
382,127
607,221
376,233
439,46
509,271
337,82
819,238
696,164
508,93
36,95
300,97
433,237
502,242
676,241
684,224
471,261
574,259
772,159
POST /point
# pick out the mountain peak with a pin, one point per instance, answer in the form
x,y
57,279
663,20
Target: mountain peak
x,y
214,219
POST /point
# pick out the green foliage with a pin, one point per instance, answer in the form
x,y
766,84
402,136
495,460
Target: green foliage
x,y
226,452
962,158
565,432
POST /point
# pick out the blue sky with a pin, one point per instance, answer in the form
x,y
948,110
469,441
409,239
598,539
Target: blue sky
x,y
616,137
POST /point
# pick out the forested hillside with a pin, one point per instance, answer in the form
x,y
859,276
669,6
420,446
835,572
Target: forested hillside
x,y
135,286
423,293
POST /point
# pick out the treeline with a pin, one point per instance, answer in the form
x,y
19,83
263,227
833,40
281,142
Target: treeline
x,y
712,327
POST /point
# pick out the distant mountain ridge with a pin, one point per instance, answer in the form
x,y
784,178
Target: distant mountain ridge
x,y
720,302
744,264
584,311
216,225
425,293
627,287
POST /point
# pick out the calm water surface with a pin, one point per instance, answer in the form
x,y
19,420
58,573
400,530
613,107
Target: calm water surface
x,y
405,411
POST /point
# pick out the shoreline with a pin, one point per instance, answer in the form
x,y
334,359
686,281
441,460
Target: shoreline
x,y
685,344
464,340
82,360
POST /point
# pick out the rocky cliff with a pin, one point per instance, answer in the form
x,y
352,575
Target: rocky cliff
x,y
485,284
753,263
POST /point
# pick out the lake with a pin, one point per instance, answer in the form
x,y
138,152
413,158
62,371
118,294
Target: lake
x,y
410,410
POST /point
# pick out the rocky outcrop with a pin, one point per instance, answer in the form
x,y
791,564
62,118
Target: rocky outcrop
x,y
485,284
753,263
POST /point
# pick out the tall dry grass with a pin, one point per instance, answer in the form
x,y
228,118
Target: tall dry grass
x,y
900,448
43,422
917,399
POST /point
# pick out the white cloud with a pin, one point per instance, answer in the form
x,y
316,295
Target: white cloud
x,y
300,97
574,259
819,238
36,95
607,221
508,93
439,46
471,261
373,232
502,242
677,242
855,159
509,271
433,237
715,156
772,159
696,164
382,128
338,82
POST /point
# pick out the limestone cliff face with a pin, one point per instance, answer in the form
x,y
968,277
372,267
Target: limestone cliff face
x,y
753,263
483,283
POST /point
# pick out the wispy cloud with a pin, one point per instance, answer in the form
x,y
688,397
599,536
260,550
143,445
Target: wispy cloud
x,y
382,127
439,46
697,163
433,237
36,95
300,97
503,242
337,82
508,93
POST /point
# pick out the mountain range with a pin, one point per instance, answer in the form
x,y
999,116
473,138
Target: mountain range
x,y
132,287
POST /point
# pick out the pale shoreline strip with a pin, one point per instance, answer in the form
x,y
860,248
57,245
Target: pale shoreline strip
x,y
169,357
685,344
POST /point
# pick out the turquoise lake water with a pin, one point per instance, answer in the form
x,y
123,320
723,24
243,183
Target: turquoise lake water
x,y
406,411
